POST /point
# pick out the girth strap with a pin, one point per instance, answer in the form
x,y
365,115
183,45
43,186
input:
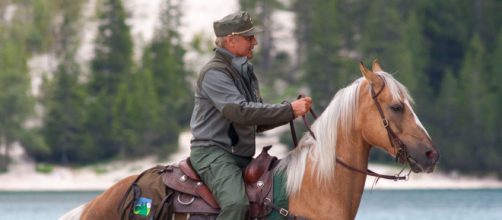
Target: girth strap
x,y
282,211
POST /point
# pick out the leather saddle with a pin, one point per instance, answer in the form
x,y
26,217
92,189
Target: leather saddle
x,y
193,196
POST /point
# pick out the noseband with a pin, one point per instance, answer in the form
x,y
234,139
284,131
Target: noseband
x,y
402,155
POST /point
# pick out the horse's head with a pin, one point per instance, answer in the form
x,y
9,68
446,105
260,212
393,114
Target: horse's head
x,y
386,119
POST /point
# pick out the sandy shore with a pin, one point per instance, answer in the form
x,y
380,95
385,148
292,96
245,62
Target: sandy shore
x,y
23,177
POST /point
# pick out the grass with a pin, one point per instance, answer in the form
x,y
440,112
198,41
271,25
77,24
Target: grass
x,y
44,168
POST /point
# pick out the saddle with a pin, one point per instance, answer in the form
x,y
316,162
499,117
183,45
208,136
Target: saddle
x,y
193,196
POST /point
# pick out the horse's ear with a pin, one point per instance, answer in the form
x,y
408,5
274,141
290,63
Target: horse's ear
x,y
368,74
375,66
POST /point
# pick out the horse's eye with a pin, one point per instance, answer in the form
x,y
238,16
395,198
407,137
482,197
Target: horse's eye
x,y
397,107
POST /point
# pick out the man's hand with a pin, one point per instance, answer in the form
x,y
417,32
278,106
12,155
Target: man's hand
x,y
301,106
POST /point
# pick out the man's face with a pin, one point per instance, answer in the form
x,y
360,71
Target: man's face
x,y
242,45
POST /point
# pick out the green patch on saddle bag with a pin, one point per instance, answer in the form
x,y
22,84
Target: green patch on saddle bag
x,y
147,197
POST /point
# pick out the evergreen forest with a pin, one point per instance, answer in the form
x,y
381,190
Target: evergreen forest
x,y
119,106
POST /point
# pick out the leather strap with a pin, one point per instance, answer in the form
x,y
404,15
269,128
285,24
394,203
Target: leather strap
x,y
392,136
402,153
292,128
304,117
282,211
371,173
307,125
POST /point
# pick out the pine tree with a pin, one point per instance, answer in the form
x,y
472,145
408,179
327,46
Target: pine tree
x,y
17,104
472,82
493,79
381,34
111,67
350,17
492,108
163,59
486,20
113,50
410,63
137,111
445,46
469,111
409,57
317,32
448,115
40,14
64,97
64,129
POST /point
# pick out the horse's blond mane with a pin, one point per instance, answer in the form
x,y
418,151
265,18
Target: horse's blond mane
x,y
322,150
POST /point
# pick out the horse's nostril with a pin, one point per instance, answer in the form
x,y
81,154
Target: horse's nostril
x,y
430,154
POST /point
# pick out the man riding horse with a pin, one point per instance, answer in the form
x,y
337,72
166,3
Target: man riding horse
x,y
228,113
324,175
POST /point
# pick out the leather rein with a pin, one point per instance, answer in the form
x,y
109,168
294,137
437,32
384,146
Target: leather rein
x,y
401,155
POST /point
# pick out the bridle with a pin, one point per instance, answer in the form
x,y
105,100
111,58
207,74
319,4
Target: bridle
x,y
402,152
401,155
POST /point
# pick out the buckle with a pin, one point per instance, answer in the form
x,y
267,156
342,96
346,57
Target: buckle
x,y
267,201
385,123
284,212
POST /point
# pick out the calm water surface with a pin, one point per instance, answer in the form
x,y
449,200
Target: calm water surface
x,y
376,204
431,204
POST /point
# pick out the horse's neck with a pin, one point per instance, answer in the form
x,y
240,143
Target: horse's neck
x,y
341,196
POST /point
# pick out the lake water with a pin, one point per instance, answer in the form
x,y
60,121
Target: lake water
x,y
376,204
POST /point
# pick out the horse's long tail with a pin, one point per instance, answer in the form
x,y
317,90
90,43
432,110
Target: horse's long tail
x,y
74,214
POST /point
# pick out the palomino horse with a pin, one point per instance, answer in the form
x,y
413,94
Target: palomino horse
x,y
374,110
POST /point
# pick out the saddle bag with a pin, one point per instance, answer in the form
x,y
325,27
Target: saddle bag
x,y
147,198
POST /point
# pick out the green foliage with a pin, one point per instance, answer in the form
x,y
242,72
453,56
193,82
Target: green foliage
x,y
64,97
34,143
472,82
449,98
113,50
436,48
461,117
317,32
446,26
112,68
66,115
201,43
44,168
17,104
382,32
137,113
100,169
41,13
411,57
493,79
446,52
164,59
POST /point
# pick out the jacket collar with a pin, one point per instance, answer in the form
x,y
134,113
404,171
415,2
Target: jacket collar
x,y
237,62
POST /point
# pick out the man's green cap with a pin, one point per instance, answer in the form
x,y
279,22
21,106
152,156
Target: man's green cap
x,y
236,23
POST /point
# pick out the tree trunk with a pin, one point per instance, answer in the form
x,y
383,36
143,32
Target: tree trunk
x,y
4,156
